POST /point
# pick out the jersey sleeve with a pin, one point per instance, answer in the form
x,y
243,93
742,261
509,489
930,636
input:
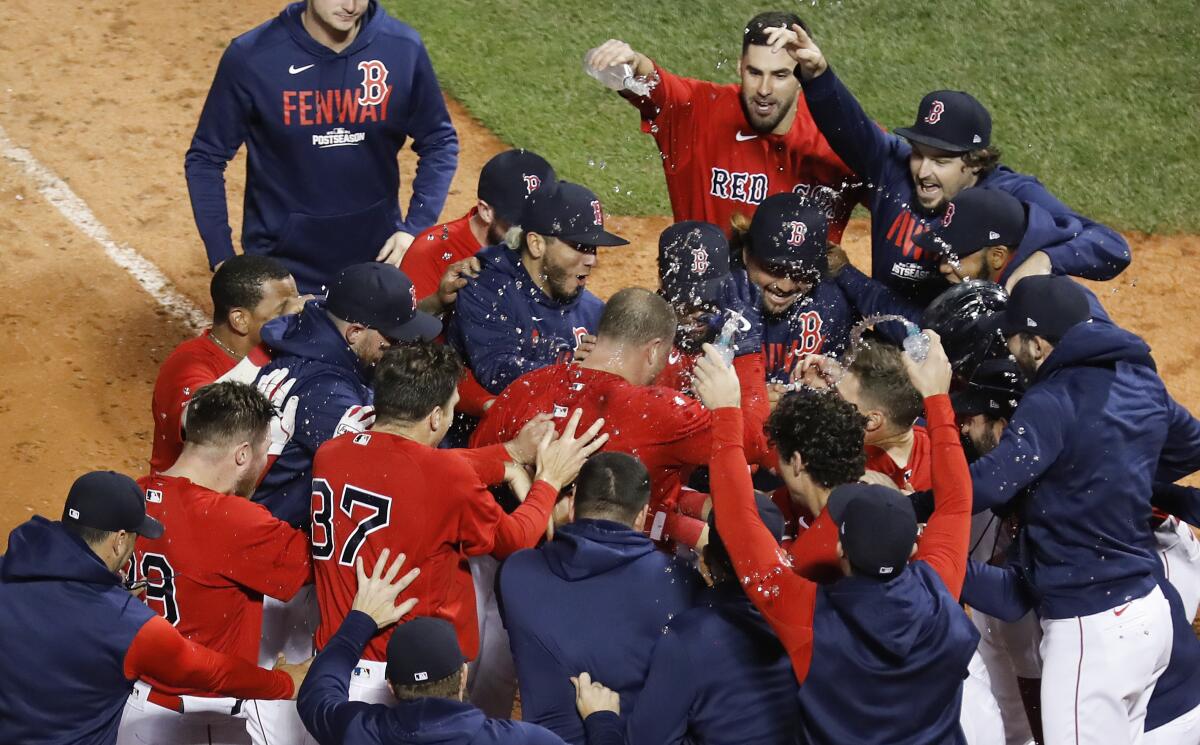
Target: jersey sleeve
x,y
266,554
871,297
857,140
483,332
1000,592
485,528
176,385
1031,443
160,656
422,264
1181,452
687,427
661,714
473,397
323,702
785,599
945,542
434,141
524,527
488,462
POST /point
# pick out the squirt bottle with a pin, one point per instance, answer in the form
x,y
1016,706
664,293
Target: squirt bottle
x,y
616,77
724,343
916,344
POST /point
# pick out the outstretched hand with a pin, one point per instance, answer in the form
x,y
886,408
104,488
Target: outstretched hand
x,y
715,382
377,591
523,448
559,459
810,62
932,375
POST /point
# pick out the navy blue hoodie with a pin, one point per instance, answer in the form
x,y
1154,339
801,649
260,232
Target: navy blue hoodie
x,y
595,600
322,130
1085,444
329,380
504,326
1097,252
66,624
331,718
718,676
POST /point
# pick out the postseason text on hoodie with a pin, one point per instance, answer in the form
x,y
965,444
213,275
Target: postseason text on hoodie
x,y
322,130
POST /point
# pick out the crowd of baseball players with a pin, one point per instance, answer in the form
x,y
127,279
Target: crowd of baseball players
x,y
416,478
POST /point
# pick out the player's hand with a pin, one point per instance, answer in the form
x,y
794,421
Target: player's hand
x,y
591,697
877,478
587,343
294,305
395,247
523,449
817,371
836,258
613,52
1036,265
357,419
715,382
276,386
458,275
931,376
775,391
518,479
798,45
378,590
559,459
296,672
560,515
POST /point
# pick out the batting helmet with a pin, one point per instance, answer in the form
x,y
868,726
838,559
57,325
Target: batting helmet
x,y
955,316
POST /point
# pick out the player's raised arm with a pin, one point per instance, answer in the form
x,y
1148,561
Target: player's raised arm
x,y
617,52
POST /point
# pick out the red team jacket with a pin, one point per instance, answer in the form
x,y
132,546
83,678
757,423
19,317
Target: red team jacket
x,y
716,165
378,490
219,554
191,366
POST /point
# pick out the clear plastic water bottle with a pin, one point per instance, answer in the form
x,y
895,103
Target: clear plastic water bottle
x,y
724,342
617,77
916,344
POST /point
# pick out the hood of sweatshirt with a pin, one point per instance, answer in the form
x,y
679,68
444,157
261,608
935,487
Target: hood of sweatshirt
x,y
431,721
310,334
588,548
292,19
43,550
506,263
1096,344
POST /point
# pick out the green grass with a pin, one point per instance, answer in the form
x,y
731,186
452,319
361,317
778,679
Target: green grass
x,y
1099,100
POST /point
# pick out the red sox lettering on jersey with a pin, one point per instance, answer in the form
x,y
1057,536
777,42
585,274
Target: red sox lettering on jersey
x,y
369,103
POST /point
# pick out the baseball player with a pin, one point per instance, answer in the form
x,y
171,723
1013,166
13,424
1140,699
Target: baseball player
x,y
76,636
247,291
917,170
725,148
393,487
530,304
221,554
324,96
668,431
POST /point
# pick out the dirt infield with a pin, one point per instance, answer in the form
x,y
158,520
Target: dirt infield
x,y
110,108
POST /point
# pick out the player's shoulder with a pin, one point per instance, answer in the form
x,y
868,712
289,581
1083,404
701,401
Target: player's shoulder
x,y
392,27
197,353
264,37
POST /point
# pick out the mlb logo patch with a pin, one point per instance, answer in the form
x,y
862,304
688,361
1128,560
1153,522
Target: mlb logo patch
x,y
362,439
73,513
420,676
154,495
560,412
362,672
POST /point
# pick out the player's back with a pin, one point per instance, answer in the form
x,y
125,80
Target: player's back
x,y
190,366
378,490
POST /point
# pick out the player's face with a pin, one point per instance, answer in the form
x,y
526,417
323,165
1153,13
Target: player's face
x,y
956,270
338,15
938,175
497,229
695,327
255,465
983,433
1026,353
566,267
780,287
279,296
769,87
369,345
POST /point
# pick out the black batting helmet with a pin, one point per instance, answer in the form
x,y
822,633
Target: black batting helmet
x,y
955,316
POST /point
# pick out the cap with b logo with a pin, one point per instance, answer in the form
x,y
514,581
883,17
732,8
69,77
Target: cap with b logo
x,y
950,120
877,527
110,501
509,178
787,231
570,212
974,220
1047,306
381,297
693,263
423,650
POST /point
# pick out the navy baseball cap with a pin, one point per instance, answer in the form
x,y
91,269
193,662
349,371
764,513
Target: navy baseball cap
x,y
569,212
788,233
877,527
110,501
423,650
974,220
509,178
995,389
693,263
1047,306
953,121
381,297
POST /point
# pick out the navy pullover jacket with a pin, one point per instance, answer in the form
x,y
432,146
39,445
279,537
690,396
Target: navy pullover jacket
x,y
1085,445
66,624
322,131
718,676
504,326
595,600
332,719
329,380
1097,252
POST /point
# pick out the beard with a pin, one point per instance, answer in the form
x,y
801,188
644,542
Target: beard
x,y
759,124
561,284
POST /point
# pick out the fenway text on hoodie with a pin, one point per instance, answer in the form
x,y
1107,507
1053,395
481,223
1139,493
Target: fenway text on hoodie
x,y
671,433
377,490
322,130
331,717
329,380
505,326
902,646
594,599
76,640
1085,444
1097,252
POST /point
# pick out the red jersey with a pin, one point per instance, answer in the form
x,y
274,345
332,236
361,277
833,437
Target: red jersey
x,y
677,374
377,490
433,251
914,474
219,554
716,165
671,433
191,366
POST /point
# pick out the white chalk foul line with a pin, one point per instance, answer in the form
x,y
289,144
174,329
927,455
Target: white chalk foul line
x,y
144,272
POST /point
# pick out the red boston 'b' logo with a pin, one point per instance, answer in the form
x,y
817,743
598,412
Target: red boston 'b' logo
x,y
799,231
374,83
949,216
531,182
935,112
597,213
699,260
